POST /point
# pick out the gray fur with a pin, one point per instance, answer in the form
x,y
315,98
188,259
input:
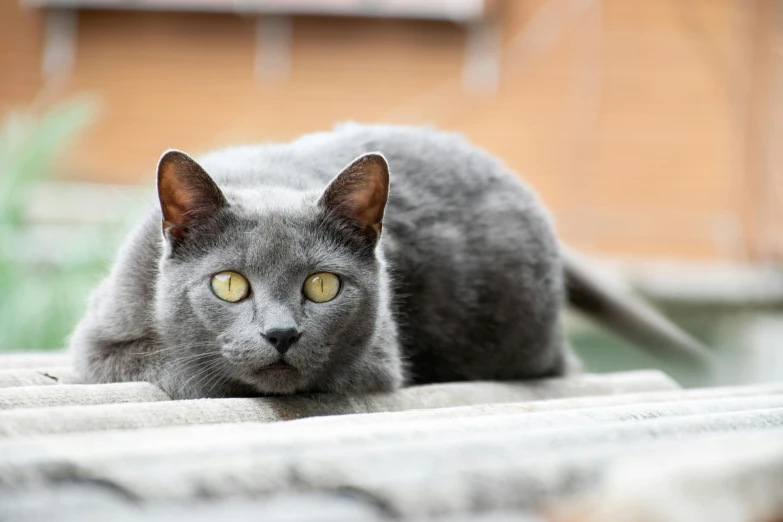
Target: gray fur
x,y
466,282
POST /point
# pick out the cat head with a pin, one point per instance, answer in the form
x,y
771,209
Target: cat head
x,y
281,297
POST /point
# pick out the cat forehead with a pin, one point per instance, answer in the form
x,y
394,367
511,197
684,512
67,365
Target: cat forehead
x,y
271,200
278,236
272,214
276,230
279,253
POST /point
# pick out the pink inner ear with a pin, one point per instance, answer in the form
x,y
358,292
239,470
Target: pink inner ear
x,y
367,204
176,205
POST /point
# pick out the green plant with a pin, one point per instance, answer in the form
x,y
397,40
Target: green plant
x,y
40,300
29,146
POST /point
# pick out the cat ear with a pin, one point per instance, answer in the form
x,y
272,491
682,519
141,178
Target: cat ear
x,y
186,192
358,194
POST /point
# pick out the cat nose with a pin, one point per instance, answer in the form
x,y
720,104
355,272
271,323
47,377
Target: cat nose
x,y
282,338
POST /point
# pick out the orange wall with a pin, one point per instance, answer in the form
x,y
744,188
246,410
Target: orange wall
x,y
633,123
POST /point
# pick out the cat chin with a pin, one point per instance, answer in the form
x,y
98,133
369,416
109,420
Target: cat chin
x,y
276,382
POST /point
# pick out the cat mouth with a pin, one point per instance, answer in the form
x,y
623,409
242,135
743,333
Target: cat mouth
x,y
276,378
277,368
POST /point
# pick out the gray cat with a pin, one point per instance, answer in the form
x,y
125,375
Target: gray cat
x,y
299,267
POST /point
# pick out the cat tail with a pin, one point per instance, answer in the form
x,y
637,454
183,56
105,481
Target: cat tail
x,y
628,315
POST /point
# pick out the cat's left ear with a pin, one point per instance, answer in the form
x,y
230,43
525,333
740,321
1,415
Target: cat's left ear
x,y
359,193
187,194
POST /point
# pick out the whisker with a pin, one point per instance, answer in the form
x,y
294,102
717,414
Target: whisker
x,y
205,367
179,370
216,377
195,356
188,347
211,388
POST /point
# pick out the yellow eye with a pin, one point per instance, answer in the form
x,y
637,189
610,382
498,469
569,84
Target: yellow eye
x,y
230,286
323,287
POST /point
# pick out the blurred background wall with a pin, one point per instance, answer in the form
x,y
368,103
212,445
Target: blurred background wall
x,y
647,126
651,128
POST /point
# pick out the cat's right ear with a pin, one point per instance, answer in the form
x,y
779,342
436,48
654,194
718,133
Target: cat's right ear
x,y
186,192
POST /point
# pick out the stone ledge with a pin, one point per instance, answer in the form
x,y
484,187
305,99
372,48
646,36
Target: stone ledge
x,y
586,448
138,405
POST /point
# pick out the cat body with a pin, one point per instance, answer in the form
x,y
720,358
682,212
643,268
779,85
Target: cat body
x,y
459,277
